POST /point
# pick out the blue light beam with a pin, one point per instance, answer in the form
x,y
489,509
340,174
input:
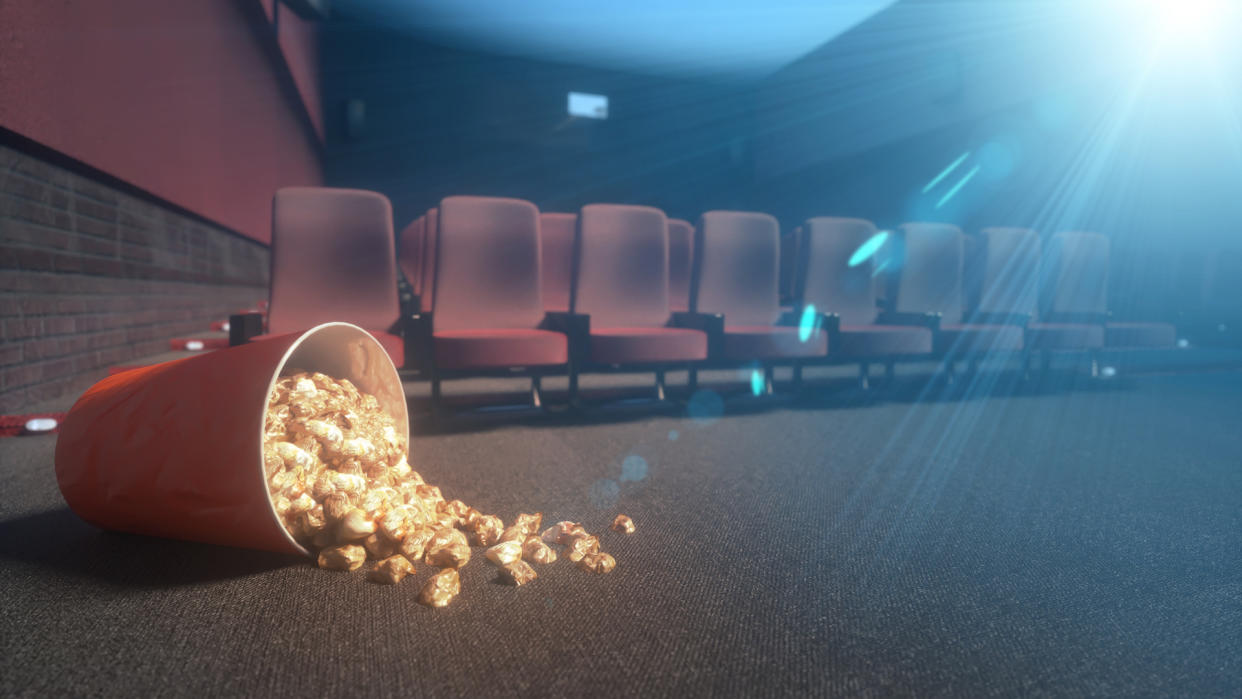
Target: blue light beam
x,y
957,187
945,173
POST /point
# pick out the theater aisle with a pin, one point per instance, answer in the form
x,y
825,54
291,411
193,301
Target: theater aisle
x,y
1073,542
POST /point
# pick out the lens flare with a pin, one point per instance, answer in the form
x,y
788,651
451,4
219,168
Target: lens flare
x,y
604,493
946,172
705,407
673,435
633,468
808,323
868,249
756,382
958,187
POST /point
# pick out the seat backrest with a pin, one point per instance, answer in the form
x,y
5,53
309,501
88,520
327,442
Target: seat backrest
x,y
1006,267
556,233
431,232
926,270
738,271
1076,274
621,276
332,259
838,274
410,253
680,263
790,268
487,265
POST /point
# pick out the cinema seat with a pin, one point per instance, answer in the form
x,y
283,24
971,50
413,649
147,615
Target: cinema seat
x,y
332,259
431,232
556,235
621,287
488,315
1076,290
738,277
680,263
844,292
925,287
410,255
1007,268
790,268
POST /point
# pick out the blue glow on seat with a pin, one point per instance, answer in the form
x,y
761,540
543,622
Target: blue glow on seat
x,y
869,248
808,323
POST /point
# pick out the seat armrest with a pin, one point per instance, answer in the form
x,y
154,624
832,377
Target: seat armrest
x,y
243,327
577,330
930,321
712,324
416,334
1082,318
1018,319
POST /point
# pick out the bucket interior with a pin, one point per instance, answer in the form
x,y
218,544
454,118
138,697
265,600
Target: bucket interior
x,y
344,351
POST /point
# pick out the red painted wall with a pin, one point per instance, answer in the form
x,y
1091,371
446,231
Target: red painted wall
x,y
299,44
178,98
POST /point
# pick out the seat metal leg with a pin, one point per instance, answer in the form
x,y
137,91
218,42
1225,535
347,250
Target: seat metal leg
x,y
435,398
659,376
692,383
536,392
767,381
864,376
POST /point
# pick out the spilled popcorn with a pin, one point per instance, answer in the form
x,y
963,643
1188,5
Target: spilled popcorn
x,y
339,480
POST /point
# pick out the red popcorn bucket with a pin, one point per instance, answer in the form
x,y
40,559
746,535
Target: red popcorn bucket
x,y
176,449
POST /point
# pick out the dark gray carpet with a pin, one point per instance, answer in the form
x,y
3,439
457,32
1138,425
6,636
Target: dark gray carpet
x,y
1077,541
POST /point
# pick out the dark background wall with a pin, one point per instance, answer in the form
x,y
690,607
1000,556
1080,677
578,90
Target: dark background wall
x,y
443,121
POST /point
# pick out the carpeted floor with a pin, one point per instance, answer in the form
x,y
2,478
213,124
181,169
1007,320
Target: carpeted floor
x,y
1071,540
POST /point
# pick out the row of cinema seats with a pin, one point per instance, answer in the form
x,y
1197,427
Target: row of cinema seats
x,y
501,289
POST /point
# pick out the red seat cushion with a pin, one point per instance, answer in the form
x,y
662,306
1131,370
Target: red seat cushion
x,y
970,338
1064,336
1140,335
511,347
392,344
647,345
771,342
883,341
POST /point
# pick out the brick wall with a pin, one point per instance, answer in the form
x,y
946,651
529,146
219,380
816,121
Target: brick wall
x,y
93,275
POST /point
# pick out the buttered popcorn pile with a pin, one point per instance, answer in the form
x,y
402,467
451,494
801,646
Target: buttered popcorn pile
x,y
340,482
